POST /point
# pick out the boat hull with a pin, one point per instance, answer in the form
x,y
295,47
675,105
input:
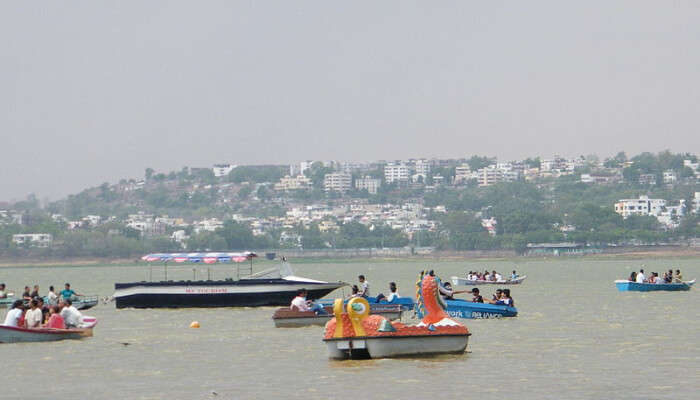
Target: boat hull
x,y
396,346
457,281
406,303
627,286
285,318
469,310
12,334
243,293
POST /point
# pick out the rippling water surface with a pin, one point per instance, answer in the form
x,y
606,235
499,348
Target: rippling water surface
x,y
576,337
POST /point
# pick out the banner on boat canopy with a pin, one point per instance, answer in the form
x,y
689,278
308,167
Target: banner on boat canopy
x,y
207,258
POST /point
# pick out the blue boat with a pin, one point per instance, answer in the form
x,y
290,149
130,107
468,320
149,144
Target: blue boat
x,y
405,302
627,286
466,309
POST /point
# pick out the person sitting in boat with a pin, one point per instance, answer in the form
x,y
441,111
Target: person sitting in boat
x,y
657,279
476,296
506,299
27,294
393,292
35,292
300,303
514,276
633,276
364,286
679,277
640,276
68,293
14,315
668,276
496,296
355,292
55,320
446,291
71,316
496,276
44,309
33,317
486,276
52,297
3,292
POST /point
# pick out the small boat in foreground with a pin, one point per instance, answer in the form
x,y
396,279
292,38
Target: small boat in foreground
x,y
353,333
457,281
12,334
286,318
466,309
629,286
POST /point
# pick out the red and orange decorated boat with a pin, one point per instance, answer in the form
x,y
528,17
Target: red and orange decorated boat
x,y
354,333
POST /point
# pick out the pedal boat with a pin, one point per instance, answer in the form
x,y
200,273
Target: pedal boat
x,y
286,318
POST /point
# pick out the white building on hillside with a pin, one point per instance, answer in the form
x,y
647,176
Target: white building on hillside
x,y
463,174
338,182
293,183
33,239
222,169
641,206
489,176
369,183
396,172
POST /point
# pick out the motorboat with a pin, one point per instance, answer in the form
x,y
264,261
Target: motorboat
x,y
274,287
466,309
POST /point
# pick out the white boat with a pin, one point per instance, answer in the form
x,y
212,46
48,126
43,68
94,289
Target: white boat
x,y
457,281
398,346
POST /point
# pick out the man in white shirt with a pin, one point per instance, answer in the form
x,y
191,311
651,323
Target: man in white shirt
x,y
53,297
499,277
71,316
364,286
394,292
33,317
13,316
300,303
640,276
3,293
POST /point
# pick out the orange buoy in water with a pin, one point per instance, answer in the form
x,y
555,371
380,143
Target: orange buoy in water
x,y
194,324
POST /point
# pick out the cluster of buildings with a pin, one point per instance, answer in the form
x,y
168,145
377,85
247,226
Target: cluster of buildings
x,y
668,215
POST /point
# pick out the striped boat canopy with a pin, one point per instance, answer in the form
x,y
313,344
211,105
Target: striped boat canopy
x,y
207,258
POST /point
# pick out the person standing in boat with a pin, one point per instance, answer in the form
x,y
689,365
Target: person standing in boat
x,y
364,286
14,315
35,292
300,303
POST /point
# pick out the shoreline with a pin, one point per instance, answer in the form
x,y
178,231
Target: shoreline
x,y
618,254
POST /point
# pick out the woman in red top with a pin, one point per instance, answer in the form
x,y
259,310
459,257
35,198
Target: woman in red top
x,y
55,320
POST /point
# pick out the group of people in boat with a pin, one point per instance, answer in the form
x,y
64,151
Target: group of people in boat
x,y
492,276
500,297
51,297
654,277
33,311
37,315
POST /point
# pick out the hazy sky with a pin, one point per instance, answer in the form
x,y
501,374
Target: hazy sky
x,y
95,91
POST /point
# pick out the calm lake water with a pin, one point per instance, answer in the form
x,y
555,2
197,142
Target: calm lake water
x,y
576,337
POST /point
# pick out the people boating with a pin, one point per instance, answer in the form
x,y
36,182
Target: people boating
x,y
71,316
55,320
364,286
506,299
35,292
640,276
27,294
355,292
633,276
14,315
496,276
301,304
514,276
52,297
68,293
476,296
3,292
33,317
393,294
446,291
679,277
496,296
